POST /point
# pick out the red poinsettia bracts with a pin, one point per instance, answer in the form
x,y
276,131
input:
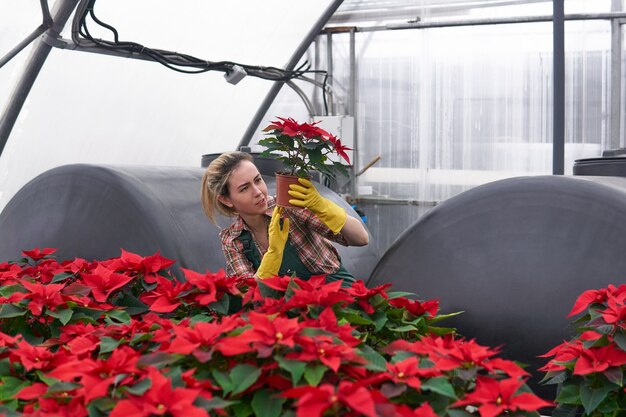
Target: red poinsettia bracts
x,y
103,281
594,360
495,397
304,147
161,399
313,401
36,254
340,148
597,296
124,337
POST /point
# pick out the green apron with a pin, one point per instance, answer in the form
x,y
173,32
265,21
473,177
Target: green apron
x,y
291,265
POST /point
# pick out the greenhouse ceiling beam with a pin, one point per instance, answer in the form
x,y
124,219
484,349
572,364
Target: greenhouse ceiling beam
x,y
558,88
45,25
293,61
60,14
474,22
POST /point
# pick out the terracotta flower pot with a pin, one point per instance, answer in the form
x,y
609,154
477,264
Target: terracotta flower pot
x,y
282,189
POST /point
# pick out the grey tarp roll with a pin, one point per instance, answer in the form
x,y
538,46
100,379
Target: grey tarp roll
x,y
93,211
513,255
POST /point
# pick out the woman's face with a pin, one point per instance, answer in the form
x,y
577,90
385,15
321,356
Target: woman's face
x,y
247,192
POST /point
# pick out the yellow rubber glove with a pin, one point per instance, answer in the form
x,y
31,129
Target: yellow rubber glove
x,y
277,236
328,212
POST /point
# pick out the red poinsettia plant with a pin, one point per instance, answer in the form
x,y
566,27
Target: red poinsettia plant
x,y
304,148
124,337
590,367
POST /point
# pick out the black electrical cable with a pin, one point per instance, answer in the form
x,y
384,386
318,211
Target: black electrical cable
x,y
179,62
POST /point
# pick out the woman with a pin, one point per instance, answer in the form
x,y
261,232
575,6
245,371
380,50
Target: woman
x,y
265,240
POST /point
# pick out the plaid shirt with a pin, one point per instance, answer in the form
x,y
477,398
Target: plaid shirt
x,y
307,234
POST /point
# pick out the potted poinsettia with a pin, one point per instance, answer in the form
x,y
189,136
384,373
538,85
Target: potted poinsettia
x,y
303,148
590,367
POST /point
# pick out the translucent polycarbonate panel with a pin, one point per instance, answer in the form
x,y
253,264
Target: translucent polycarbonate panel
x,y
448,109
234,30
91,108
587,89
591,6
453,107
18,19
385,12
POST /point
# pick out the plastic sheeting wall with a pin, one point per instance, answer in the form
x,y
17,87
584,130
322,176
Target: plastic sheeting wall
x,y
88,108
448,109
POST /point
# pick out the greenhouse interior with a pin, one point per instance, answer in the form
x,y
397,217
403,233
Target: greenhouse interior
x,y
452,247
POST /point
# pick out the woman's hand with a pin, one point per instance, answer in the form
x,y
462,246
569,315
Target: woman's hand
x,y
306,195
278,232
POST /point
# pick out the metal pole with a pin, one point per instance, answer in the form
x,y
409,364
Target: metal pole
x,y
478,22
61,13
36,33
616,78
271,95
558,102
329,68
616,84
352,112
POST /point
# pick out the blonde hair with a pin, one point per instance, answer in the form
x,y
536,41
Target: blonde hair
x,y
215,183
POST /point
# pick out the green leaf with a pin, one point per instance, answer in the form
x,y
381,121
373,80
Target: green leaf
x,y
458,413
620,340
357,319
267,291
48,381
242,376
10,289
100,407
5,367
63,387
140,337
215,402
403,329
440,317
267,404
441,331
9,412
9,386
62,276
313,374
64,316
223,381
554,377
375,361
117,316
565,411
440,385
243,409
380,319
131,304
591,398
108,344
615,375
295,368
157,359
221,305
401,355
201,318
92,314
8,311
398,294
140,387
